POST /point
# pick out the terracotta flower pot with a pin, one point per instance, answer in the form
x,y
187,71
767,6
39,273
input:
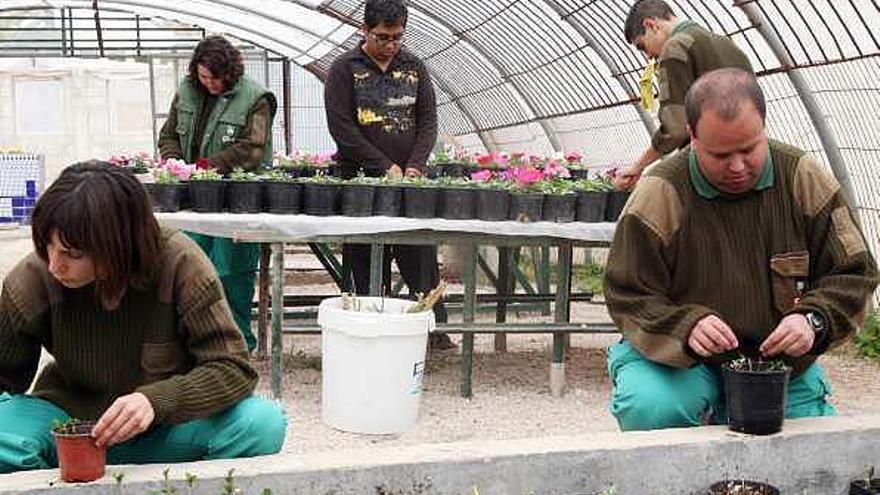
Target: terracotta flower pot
x,y
78,457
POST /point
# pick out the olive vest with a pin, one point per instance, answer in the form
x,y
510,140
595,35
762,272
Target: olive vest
x,y
228,118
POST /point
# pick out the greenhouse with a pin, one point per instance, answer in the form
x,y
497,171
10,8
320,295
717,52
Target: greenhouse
x,y
535,100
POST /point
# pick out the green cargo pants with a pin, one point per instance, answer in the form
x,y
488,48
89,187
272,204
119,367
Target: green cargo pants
x,y
251,427
236,264
651,396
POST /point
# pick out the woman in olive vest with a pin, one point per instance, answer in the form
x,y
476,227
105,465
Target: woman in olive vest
x,y
222,118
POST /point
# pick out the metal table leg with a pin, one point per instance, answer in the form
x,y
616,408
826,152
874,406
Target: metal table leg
x,y
277,313
377,250
504,290
469,279
263,304
561,315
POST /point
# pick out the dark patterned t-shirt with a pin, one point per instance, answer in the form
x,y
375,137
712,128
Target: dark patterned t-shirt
x,y
379,118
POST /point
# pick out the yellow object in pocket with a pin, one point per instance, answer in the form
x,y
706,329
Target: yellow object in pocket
x,y
646,85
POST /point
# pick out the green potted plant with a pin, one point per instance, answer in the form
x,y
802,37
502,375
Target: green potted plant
x,y
742,487
755,390
207,191
245,192
868,485
420,196
168,191
592,199
321,195
616,199
281,192
526,198
492,196
388,197
79,459
358,194
457,198
560,200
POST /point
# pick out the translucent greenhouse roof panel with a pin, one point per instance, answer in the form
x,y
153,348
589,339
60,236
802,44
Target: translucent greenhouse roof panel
x,y
527,46
284,27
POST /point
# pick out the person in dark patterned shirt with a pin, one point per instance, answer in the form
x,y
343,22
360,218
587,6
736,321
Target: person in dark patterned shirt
x,y
382,113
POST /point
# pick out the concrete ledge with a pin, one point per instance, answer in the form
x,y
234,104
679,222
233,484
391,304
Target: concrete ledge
x,y
810,457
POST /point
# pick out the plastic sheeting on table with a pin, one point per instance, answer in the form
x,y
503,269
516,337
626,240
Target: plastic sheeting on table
x,y
272,227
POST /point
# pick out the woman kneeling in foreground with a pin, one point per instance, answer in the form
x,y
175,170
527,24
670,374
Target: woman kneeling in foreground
x,y
142,336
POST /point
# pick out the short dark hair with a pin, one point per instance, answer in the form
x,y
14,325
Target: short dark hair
x,y
220,57
103,211
723,91
641,10
390,12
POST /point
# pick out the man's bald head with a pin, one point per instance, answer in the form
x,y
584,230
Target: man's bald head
x,y
725,92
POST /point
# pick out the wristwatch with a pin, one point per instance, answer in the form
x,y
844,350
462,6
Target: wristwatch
x,y
817,322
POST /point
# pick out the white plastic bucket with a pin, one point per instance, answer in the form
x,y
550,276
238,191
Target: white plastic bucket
x,y
372,364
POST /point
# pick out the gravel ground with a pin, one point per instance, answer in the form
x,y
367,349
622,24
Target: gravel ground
x,y
511,390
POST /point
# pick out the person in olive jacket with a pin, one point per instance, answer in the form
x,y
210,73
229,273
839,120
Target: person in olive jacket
x,y
737,245
222,119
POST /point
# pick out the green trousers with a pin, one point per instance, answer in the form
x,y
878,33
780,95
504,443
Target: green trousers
x,y
251,427
651,396
236,264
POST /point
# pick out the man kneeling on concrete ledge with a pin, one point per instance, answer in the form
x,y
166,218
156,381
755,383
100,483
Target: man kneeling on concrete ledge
x,y
737,244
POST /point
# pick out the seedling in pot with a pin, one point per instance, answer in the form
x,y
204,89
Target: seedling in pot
x,y
240,175
746,363
205,175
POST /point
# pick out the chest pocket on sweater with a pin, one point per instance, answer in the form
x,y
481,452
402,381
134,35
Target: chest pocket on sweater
x,y
160,360
788,271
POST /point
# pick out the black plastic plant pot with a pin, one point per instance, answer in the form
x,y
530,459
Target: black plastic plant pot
x,y
755,398
865,487
387,201
457,203
207,196
454,169
742,487
579,173
357,200
591,206
492,204
320,199
166,197
559,208
526,207
245,196
616,201
420,202
282,197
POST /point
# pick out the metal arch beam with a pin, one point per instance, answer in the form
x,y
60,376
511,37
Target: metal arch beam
x,y
600,50
487,143
546,126
829,141
200,15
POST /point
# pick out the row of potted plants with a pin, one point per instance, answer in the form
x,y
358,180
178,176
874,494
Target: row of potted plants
x,y
486,197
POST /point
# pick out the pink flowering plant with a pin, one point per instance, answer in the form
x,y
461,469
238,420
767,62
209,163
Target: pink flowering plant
x,y
173,171
493,160
525,179
556,170
139,163
574,159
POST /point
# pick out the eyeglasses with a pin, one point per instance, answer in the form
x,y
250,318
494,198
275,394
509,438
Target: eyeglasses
x,y
384,39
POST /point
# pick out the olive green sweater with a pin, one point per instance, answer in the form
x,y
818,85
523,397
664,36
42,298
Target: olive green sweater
x,y
690,52
174,341
678,256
